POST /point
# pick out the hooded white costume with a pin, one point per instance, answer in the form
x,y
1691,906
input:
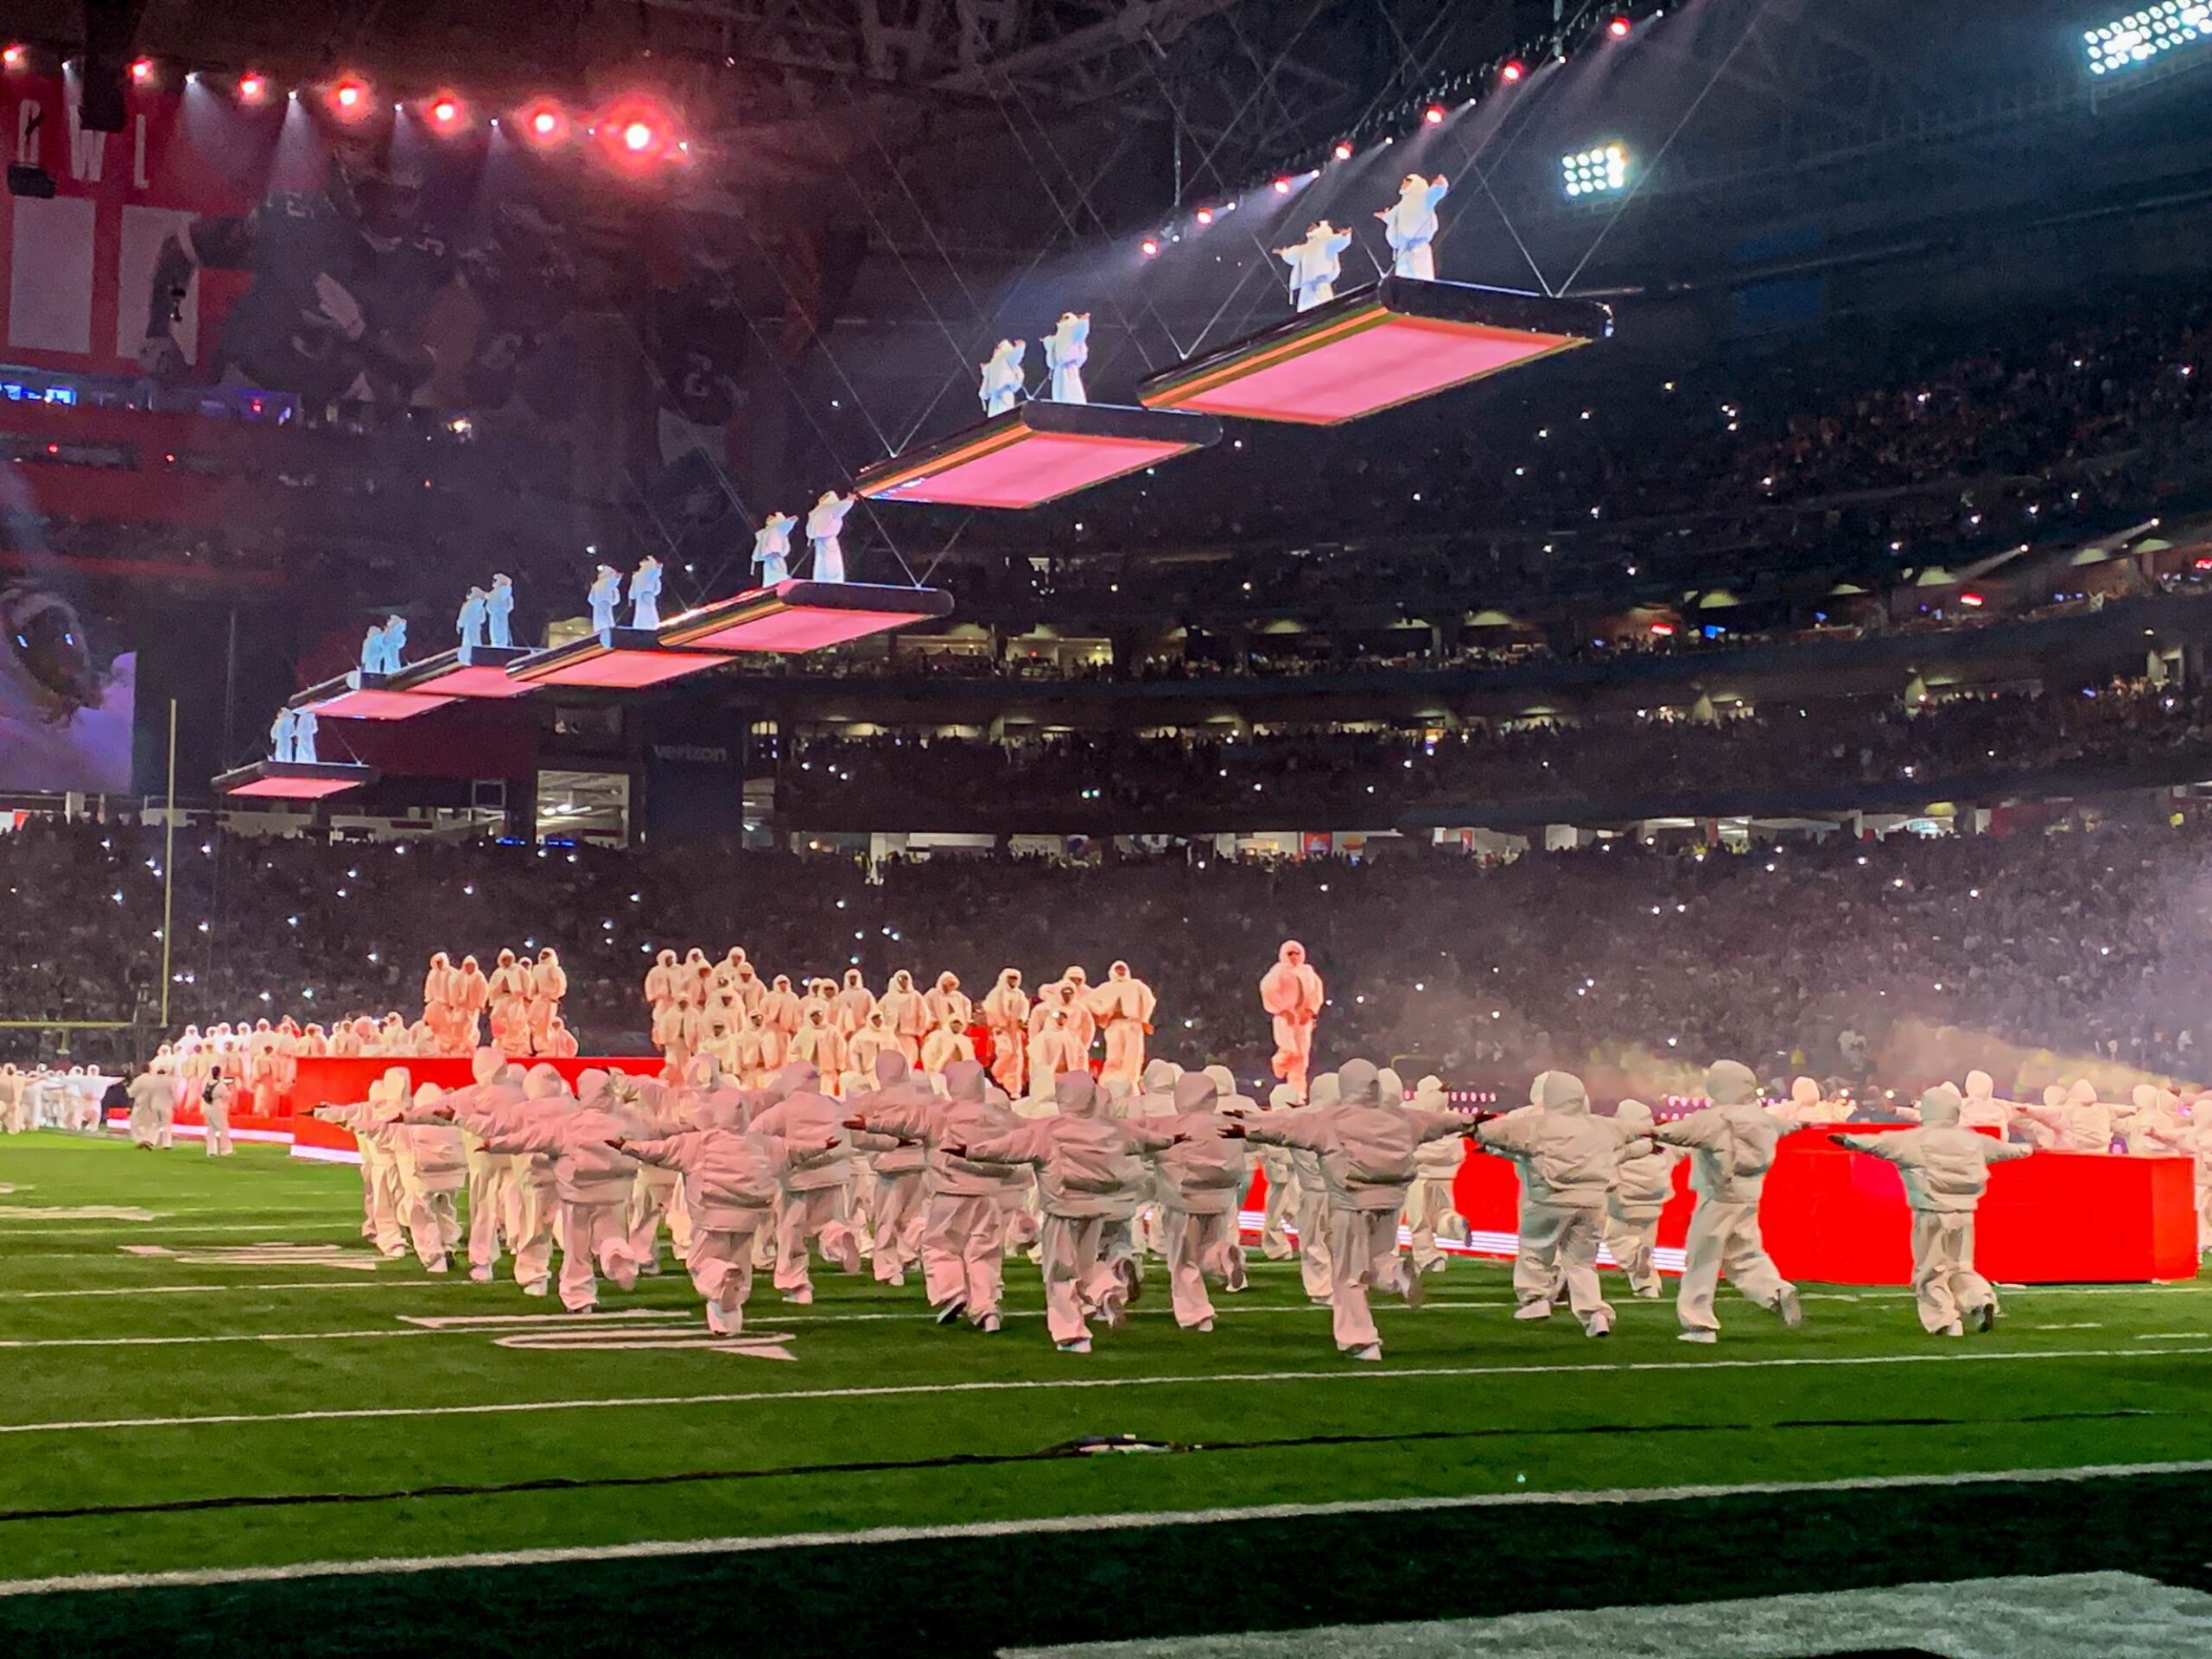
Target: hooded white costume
x,y
1946,1170
1365,1147
1292,995
1430,1205
1569,1162
1315,264
1410,226
1732,1143
1643,1182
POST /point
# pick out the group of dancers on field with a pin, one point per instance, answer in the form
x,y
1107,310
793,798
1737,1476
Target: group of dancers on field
x,y
951,1175
919,1130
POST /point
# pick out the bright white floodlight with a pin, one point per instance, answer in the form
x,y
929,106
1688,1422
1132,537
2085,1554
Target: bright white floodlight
x,y
2142,35
1602,170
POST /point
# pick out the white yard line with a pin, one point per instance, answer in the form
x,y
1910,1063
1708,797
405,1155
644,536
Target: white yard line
x,y
506,1407
1125,1521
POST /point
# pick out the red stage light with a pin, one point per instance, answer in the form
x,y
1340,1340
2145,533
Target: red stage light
x,y
1665,629
1972,601
446,113
542,122
1205,215
1619,27
1282,187
1513,70
141,70
252,88
1343,151
636,137
1149,246
350,98
16,56
1434,115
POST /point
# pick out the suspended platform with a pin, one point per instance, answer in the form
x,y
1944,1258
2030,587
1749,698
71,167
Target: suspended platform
x,y
798,616
484,675
293,780
1375,348
357,695
616,659
1036,452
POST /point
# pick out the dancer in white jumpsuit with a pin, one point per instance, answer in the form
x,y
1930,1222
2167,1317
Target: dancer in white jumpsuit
x,y
1569,1162
1731,1145
1946,1170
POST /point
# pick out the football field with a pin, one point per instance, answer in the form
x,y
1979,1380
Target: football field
x,y
228,1427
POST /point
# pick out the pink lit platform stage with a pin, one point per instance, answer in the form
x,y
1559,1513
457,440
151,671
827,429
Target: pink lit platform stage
x,y
366,696
1837,1217
444,677
618,659
1036,452
292,780
798,616
1375,348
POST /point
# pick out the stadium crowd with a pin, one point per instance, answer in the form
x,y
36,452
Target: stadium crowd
x,y
2086,942
1308,775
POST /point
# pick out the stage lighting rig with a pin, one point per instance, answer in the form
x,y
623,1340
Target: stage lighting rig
x,y
1601,170
2142,35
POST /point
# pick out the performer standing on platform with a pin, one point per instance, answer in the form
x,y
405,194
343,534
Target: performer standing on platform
x,y
1315,264
1946,1170
1123,1008
1006,1012
1292,995
1410,226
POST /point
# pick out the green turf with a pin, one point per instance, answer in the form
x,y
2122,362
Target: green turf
x,y
1467,1400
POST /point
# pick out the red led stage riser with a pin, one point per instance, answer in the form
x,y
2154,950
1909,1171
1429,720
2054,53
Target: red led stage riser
x,y
621,660
802,616
1035,453
291,780
1396,342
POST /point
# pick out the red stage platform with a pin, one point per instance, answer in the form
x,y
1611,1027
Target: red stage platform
x,y
1837,1217
803,616
1375,348
1036,452
440,679
366,696
620,659
292,780
332,1081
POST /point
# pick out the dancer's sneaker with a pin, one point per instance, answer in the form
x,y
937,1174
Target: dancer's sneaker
x,y
1409,1284
537,1287
803,1297
988,1325
1792,1310
481,1275
1080,1345
588,1307
1236,1279
714,1321
1372,1352
1204,1327
1113,1310
1598,1325
1954,1329
1650,1293
1984,1318
1532,1311
951,1313
394,1252
1699,1336
437,1265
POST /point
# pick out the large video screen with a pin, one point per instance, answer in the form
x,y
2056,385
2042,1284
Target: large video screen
x,y
68,684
